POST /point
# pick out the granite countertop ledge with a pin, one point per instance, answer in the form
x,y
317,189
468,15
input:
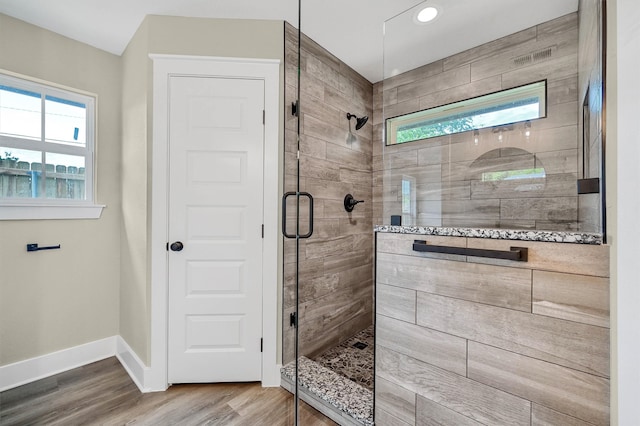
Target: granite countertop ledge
x,y
496,234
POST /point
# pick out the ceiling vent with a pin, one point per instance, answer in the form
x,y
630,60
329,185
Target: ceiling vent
x,y
537,56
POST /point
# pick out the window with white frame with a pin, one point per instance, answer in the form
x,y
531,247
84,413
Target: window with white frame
x,y
46,144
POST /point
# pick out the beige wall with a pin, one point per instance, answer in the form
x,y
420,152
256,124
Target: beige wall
x,y
216,37
98,285
179,36
59,299
136,112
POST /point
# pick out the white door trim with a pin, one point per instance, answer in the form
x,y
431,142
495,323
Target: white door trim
x,y
269,71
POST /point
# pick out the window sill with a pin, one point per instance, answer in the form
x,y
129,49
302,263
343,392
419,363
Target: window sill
x,y
42,212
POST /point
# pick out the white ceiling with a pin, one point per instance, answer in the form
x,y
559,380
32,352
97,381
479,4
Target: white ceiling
x,y
350,29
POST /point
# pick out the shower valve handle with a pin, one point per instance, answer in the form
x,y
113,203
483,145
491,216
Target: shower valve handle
x,y
350,202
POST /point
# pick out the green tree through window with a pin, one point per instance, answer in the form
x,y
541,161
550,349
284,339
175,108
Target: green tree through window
x,y
433,130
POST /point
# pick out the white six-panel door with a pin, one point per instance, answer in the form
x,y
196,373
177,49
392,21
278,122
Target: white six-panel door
x,y
216,136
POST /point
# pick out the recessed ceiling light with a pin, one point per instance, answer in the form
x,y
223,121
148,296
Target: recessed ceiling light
x,y
427,14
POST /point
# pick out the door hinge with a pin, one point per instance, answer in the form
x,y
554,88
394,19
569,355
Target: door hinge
x,y
293,319
263,230
263,116
261,343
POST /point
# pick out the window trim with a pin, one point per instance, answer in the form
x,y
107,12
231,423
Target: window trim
x,y
50,211
52,208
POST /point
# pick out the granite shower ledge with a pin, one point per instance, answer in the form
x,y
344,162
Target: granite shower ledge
x,y
495,234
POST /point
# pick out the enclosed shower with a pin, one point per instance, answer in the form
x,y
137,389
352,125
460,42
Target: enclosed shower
x,y
332,274
361,157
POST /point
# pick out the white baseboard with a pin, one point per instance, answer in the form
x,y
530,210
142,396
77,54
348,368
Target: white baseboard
x,y
134,366
30,370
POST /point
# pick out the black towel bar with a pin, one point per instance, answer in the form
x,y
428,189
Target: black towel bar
x,y
519,254
34,247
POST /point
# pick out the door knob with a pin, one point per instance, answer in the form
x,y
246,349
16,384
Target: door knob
x,y
177,246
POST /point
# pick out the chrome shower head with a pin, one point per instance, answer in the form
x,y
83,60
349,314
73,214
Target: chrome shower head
x,y
359,121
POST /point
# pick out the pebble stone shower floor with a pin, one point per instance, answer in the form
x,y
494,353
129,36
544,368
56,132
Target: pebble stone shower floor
x,y
342,377
351,360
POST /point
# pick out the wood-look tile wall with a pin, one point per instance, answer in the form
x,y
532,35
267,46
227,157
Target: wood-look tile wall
x,y
336,263
446,173
469,341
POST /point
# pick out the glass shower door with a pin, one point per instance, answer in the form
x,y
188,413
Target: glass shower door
x,y
297,216
328,244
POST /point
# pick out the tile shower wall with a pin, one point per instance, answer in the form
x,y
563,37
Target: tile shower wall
x,y
445,175
336,263
470,341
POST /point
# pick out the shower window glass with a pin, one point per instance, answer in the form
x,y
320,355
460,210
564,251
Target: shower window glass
x,y
496,109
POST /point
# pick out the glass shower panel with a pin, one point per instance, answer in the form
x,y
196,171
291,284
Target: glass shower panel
x,y
527,173
291,216
591,131
328,269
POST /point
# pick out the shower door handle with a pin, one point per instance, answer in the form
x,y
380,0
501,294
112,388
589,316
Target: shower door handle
x,y
310,197
284,213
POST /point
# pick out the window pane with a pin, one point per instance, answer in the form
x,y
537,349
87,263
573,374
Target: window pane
x,y
22,175
65,121
65,176
20,171
20,113
495,109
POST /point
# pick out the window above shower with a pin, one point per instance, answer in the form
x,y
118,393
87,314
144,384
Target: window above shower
x,y
518,104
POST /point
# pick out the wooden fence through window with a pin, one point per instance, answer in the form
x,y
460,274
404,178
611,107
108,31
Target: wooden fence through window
x,y
20,179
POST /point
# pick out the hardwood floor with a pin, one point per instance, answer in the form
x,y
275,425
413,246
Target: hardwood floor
x,y
103,394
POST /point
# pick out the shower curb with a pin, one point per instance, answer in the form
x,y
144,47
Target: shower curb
x,y
335,396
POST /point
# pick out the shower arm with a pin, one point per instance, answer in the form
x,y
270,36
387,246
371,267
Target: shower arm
x,y
360,122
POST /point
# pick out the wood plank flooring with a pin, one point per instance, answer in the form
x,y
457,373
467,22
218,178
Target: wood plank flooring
x,y
103,394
